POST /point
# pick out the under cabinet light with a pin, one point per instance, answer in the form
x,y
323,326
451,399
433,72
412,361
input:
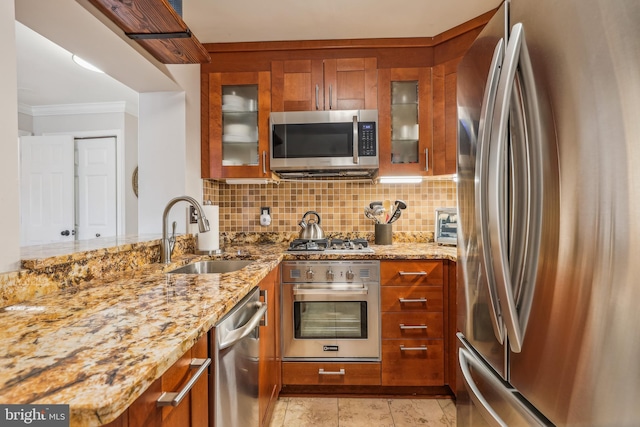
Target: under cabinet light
x,y
240,181
399,179
84,64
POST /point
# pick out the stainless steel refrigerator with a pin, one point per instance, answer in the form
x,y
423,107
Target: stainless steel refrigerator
x,y
549,216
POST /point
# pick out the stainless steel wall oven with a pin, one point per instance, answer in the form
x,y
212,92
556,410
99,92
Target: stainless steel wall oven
x,y
331,310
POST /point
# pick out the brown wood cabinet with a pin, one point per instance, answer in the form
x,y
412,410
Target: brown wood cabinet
x,y
269,368
330,373
343,74
235,126
408,154
445,118
412,306
324,84
192,411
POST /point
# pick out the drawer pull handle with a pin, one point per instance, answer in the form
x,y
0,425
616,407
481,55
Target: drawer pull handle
x,y
403,300
421,348
403,326
412,273
174,398
323,372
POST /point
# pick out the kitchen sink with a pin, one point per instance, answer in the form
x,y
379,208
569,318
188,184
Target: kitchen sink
x,y
212,266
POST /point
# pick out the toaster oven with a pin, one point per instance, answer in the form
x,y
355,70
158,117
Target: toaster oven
x,y
446,226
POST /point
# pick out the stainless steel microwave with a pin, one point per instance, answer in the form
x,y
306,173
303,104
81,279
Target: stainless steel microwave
x,y
334,143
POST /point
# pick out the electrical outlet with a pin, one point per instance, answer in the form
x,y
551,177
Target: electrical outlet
x,y
193,215
265,216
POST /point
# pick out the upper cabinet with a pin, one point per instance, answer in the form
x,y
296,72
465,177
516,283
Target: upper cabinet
x,y
445,118
324,84
410,81
404,117
235,126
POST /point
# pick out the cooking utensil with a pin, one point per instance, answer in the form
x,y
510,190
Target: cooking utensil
x,y
379,213
387,208
311,230
368,212
372,205
394,217
399,205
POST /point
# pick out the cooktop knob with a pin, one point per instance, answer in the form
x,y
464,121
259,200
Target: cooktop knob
x,y
350,275
310,274
330,275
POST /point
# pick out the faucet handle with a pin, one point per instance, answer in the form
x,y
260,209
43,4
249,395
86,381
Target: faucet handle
x,y
172,239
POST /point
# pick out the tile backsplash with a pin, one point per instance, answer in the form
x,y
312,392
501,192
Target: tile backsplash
x,y
339,204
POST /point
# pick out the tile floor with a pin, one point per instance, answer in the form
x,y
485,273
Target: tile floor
x,y
362,412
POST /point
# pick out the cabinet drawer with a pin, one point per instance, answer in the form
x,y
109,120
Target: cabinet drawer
x,y
191,411
411,272
408,298
327,373
427,325
412,362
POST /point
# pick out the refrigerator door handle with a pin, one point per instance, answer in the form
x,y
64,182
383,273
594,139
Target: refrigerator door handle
x,y
481,189
515,322
484,387
466,360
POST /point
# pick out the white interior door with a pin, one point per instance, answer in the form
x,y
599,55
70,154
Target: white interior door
x,y
96,187
46,189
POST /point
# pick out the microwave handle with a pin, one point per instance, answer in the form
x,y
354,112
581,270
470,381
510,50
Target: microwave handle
x,y
356,159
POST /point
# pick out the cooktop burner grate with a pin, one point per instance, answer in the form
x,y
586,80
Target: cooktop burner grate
x,y
334,245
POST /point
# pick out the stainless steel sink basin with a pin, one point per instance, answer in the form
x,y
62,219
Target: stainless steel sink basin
x,y
212,266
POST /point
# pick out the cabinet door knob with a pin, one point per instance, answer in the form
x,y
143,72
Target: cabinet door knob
x,y
65,233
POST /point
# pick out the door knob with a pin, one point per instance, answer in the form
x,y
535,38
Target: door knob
x,y
65,233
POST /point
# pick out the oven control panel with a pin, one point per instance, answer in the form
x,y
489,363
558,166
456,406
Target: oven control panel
x,y
332,271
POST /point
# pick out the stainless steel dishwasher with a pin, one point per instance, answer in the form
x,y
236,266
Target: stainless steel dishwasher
x,y
235,350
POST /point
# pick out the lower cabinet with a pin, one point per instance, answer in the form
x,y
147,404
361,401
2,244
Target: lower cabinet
x,y
194,409
412,305
269,368
330,373
413,362
191,411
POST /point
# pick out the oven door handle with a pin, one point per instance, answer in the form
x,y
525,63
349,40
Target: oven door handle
x,y
331,291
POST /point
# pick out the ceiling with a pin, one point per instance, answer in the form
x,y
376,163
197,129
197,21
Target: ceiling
x,y
47,76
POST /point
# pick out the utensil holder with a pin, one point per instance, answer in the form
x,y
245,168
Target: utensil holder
x,y
384,234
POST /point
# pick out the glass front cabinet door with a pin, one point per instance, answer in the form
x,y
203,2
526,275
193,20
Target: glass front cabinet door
x,y
404,116
238,126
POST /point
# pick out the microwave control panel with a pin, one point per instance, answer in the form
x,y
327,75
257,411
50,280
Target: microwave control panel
x,y
367,136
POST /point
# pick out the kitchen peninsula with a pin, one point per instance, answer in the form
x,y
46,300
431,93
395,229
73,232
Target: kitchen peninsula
x,y
97,345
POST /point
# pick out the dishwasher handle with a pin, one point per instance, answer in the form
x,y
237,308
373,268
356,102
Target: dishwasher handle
x,y
238,334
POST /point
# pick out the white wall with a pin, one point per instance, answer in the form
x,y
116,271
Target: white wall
x,y
188,77
161,159
169,150
9,161
25,122
130,163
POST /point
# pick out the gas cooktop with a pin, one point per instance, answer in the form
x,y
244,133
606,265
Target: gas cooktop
x,y
330,245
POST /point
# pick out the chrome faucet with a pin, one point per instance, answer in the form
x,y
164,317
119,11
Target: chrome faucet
x,y
167,243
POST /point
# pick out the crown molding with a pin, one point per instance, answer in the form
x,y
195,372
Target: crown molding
x,y
70,109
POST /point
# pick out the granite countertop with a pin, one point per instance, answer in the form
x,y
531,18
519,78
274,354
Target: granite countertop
x,y
99,345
